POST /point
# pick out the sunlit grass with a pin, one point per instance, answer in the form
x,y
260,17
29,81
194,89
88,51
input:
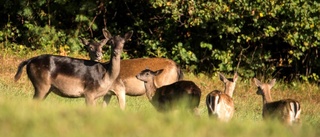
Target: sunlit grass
x,y
57,116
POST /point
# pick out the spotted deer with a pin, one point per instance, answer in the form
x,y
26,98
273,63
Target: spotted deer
x,y
220,104
286,110
179,94
72,77
127,83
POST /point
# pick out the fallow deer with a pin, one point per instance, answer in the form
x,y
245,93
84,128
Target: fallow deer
x,y
72,77
220,104
94,49
127,83
181,93
286,110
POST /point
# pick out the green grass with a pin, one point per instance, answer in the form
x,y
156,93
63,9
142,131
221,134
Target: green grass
x,y
57,116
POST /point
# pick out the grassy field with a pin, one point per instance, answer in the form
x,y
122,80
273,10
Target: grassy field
x,y
57,116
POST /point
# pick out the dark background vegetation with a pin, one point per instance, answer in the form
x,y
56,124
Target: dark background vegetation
x,y
274,38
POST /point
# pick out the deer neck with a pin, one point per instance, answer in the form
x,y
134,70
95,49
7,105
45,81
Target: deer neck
x,y
150,89
266,98
114,68
229,89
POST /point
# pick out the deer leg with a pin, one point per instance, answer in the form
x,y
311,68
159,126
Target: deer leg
x,y
90,100
106,100
120,92
196,111
122,100
41,91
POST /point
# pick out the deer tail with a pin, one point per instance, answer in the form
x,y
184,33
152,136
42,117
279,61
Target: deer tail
x,y
296,108
20,67
212,102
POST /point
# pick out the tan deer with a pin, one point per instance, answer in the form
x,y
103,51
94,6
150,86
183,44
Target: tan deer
x,y
179,94
127,83
72,77
220,104
286,110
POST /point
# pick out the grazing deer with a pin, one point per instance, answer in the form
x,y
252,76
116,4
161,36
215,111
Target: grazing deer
x,y
220,104
73,78
127,83
286,110
180,93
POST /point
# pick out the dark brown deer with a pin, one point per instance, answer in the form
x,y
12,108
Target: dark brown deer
x,y
94,48
73,78
286,110
181,93
220,104
128,84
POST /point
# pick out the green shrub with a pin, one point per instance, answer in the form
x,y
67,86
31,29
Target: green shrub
x,y
276,38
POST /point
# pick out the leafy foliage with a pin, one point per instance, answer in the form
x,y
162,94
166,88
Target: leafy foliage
x,y
276,38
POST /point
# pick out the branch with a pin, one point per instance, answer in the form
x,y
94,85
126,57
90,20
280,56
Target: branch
x,y
100,7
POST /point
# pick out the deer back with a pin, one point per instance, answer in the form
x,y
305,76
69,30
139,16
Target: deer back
x,y
220,105
286,110
186,91
129,68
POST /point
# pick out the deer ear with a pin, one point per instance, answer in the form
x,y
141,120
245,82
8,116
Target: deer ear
x,y
128,35
257,82
106,34
222,78
235,77
272,82
84,41
158,72
104,42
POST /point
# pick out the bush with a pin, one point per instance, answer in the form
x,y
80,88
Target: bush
x,y
277,38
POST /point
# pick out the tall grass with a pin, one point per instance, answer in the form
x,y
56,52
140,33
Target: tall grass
x,y
57,116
